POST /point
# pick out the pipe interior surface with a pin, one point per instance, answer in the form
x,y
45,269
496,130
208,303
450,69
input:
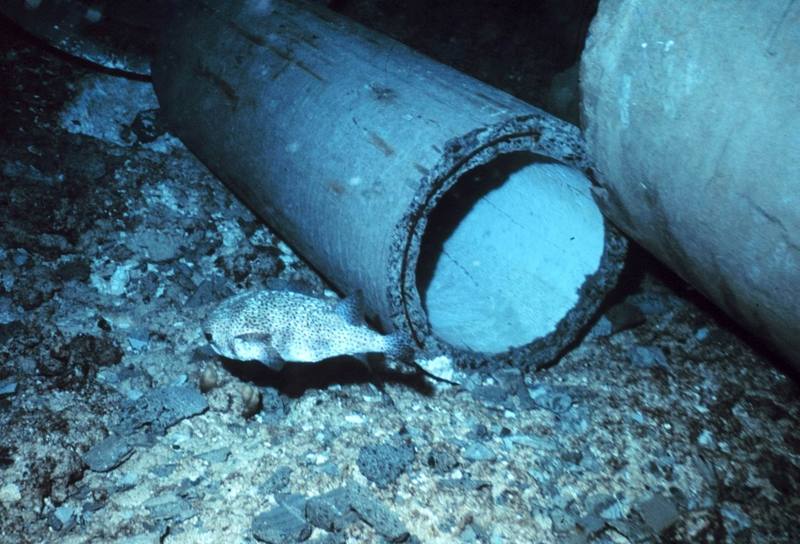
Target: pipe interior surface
x,y
506,251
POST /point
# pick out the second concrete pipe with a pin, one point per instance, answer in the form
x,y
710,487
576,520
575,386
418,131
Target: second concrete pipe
x,y
692,116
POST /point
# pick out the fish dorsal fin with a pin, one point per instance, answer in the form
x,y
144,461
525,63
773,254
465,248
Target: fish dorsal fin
x,y
351,308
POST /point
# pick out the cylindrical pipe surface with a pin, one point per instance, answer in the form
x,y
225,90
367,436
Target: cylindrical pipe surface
x,y
346,142
692,115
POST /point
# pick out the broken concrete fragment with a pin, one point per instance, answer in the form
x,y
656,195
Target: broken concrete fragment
x,y
284,523
162,408
624,316
383,464
8,387
658,513
553,399
157,246
376,515
339,508
170,507
647,357
108,454
331,511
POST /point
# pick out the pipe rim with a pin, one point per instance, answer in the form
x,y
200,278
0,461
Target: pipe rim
x,y
538,134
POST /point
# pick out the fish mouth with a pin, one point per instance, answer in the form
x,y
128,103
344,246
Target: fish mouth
x,y
211,343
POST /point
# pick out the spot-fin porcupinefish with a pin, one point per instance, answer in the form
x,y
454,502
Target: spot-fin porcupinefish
x,y
275,327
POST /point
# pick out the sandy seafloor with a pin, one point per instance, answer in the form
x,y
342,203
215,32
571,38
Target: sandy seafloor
x,y
663,425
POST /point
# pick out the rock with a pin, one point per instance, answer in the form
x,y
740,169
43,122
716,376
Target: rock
x,y
376,515
562,520
147,126
474,534
607,506
441,460
183,277
658,513
602,328
278,481
6,456
89,352
169,507
781,472
331,511
339,508
34,288
210,290
624,316
148,285
591,524
647,357
441,367
513,381
330,538
477,451
114,283
93,505
68,469
10,494
535,442
735,519
466,484
219,455
9,313
706,439
479,432
284,523
20,257
8,387
165,470
162,408
155,245
651,304
14,330
551,398
382,464
491,395
74,269
138,339
272,403
108,454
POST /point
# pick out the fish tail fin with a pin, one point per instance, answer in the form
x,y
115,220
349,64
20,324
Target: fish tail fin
x,y
400,346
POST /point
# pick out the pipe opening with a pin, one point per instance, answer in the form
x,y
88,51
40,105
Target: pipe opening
x,y
506,250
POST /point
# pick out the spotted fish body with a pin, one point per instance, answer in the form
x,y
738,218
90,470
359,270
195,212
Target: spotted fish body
x,y
275,327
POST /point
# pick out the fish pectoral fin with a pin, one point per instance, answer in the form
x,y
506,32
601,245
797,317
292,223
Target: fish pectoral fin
x,y
351,308
257,347
258,337
272,359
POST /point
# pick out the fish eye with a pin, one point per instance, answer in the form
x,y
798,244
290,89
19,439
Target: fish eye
x,y
208,336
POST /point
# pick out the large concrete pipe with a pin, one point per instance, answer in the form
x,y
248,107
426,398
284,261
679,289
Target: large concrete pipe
x,y
692,115
463,214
